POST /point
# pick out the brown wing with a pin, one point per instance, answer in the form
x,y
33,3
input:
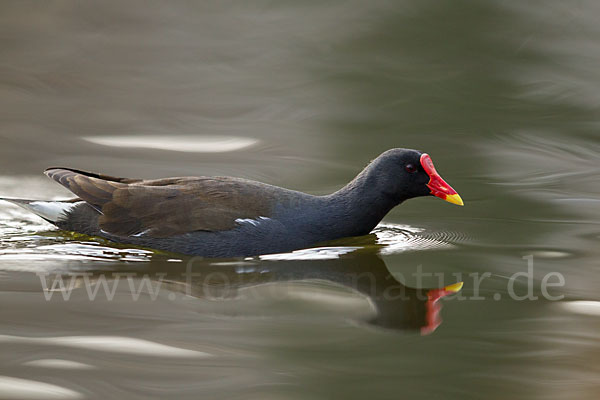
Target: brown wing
x,y
166,207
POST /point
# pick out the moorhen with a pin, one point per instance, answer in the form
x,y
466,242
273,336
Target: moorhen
x,y
233,217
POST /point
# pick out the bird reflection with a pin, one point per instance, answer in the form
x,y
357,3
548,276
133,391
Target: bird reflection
x,y
396,306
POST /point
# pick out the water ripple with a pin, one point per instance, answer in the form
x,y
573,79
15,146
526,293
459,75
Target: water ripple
x,y
400,238
188,144
17,388
55,363
112,344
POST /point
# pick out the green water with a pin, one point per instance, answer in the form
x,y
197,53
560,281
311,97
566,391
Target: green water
x,y
503,95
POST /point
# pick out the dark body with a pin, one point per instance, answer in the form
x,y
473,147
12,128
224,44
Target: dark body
x,y
293,220
233,217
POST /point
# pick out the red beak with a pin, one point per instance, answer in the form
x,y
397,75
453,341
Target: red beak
x,y
438,186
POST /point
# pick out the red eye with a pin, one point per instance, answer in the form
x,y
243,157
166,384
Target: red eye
x,y
410,168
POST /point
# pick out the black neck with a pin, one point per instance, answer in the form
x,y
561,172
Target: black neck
x,y
358,207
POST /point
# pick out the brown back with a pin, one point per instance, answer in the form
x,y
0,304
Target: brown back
x,y
166,207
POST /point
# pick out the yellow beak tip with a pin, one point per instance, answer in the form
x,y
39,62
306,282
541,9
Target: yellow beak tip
x,y
455,287
454,199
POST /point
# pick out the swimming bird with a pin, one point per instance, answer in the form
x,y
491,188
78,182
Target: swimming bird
x,y
233,217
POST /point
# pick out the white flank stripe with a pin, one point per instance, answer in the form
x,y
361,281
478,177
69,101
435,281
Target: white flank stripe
x,y
251,221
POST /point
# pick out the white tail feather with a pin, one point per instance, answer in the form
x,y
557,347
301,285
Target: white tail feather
x,y
53,211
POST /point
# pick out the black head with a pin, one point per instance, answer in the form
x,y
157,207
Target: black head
x,y
401,174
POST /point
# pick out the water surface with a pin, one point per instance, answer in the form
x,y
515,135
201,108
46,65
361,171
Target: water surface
x,y
502,94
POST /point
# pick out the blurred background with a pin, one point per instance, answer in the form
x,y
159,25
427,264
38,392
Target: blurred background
x,y
504,96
